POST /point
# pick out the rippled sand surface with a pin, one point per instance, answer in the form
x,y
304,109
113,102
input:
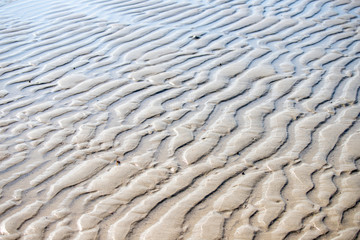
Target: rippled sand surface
x,y
179,119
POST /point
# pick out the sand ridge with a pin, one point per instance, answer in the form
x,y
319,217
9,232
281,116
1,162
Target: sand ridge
x,y
230,119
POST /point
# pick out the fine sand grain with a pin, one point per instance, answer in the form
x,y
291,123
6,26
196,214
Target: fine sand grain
x,y
179,119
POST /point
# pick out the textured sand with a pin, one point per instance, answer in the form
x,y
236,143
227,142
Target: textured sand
x,y
230,119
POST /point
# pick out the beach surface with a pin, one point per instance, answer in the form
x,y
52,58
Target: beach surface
x,y
179,119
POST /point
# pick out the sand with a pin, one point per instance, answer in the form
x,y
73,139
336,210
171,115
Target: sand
x,y
179,119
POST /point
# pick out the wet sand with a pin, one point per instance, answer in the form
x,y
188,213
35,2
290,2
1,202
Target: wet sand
x,y
179,119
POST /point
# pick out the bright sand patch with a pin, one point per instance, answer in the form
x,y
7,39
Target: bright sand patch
x,y
230,119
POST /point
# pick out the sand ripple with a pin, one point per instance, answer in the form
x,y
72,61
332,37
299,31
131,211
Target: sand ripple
x,y
179,119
